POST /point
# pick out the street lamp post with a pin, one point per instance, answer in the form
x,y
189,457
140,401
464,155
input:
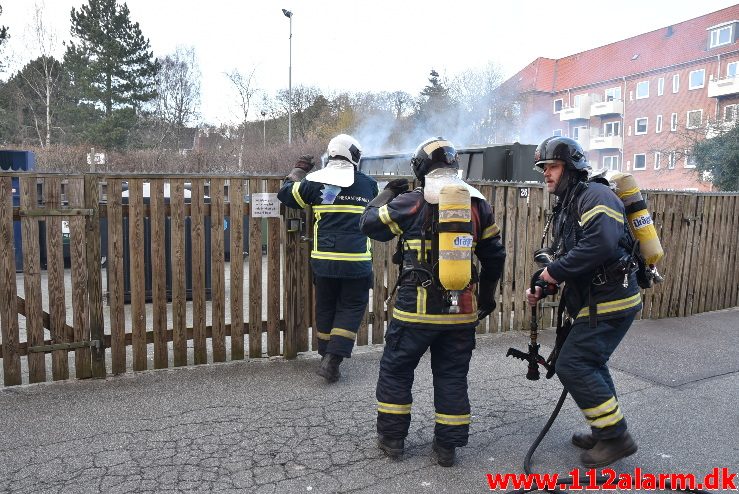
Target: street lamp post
x,y
264,129
289,15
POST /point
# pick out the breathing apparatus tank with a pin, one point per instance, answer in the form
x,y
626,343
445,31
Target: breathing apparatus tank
x,y
455,240
640,222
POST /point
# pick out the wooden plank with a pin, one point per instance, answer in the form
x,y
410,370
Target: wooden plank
x,y
115,277
379,292
179,287
197,223
679,243
9,329
695,257
670,230
733,300
158,273
508,272
292,287
274,293
136,273
720,281
96,319
531,225
255,278
689,213
55,276
307,297
499,214
80,314
709,229
236,201
217,264
32,280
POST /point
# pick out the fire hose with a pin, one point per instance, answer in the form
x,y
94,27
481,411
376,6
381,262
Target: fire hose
x,y
534,360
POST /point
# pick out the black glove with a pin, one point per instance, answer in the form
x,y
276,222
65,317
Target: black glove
x,y
305,163
397,186
485,298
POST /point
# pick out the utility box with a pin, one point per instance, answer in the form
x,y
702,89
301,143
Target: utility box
x,y
20,161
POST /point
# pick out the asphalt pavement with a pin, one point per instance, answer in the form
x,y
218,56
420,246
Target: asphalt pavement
x,y
273,426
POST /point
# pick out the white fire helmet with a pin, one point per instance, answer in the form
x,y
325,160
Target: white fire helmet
x,y
344,153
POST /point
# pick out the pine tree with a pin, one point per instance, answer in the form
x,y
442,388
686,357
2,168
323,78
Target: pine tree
x,y
111,66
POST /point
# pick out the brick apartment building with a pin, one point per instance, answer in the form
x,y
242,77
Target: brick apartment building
x,y
635,104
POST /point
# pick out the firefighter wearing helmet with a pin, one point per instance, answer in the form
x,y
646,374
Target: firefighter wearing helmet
x,y
438,227
592,254
340,257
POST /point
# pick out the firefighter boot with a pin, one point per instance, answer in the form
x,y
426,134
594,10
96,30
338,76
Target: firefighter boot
x,y
444,455
329,369
584,440
392,447
606,451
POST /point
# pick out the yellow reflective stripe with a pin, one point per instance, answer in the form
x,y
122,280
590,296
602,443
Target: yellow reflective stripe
x,y
420,300
629,192
442,418
344,332
612,306
432,146
601,209
608,420
341,256
296,194
490,231
605,407
385,218
402,315
323,336
339,208
393,408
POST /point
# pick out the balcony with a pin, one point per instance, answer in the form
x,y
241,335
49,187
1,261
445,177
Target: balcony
x,y
723,87
606,142
613,107
581,112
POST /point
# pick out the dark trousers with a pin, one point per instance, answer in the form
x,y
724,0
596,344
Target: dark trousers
x,y
451,351
340,306
581,367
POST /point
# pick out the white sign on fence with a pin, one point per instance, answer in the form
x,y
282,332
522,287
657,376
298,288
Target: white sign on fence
x,y
265,205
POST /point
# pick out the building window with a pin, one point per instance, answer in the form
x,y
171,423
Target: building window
x,y
730,113
613,94
695,119
577,100
640,162
611,129
671,161
610,162
640,126
732,69
557,132
675,83
557,105
658,127
721,36
660,86
642,90
657,159
697,79
673,122
577,133
689,160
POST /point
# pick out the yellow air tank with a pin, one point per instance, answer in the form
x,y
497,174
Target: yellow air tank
x,y
640,222
455,239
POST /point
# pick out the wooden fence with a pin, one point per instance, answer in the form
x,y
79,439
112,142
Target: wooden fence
x,y
117,273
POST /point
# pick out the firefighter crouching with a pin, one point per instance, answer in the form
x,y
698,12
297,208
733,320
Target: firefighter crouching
x,y
593,255
426,313
340,257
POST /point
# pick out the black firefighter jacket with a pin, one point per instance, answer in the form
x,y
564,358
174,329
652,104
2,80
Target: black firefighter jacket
x,y
591,235
408,217
340,249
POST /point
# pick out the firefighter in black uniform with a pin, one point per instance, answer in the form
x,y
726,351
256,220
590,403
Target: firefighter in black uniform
x,y
593,256
340,258
421,317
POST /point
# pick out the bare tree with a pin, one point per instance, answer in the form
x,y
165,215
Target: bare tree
x,y
43,76
402,102
246,91
178,93
308,106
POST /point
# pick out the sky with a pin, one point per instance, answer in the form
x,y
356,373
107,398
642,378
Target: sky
x,y
359,45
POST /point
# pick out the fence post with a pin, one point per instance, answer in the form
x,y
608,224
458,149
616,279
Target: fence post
x,y
94,279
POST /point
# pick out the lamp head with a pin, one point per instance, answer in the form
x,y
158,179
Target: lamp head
x,y
287,13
